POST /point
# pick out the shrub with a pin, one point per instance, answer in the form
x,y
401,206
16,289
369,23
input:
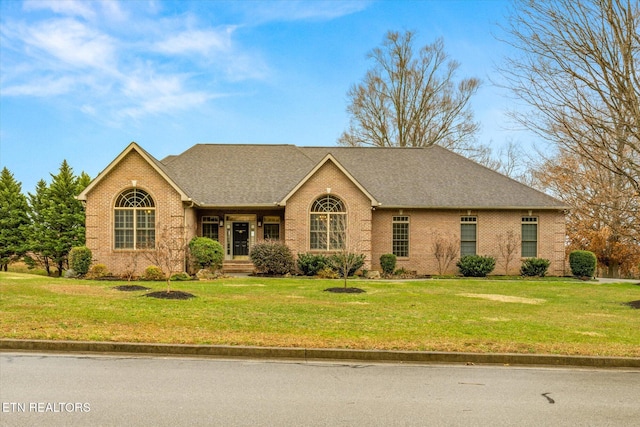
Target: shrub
x,y
310,264
153,272
327,273
582,263
534,267
272,257
346,263
388,263
80,260
206,253
97,271
476,265
181,277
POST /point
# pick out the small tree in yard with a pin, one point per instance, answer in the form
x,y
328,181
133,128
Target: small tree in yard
x,y
445,250
346,263
508,247
169,252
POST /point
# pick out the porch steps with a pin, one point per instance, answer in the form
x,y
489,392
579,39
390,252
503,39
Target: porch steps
x,y
237,267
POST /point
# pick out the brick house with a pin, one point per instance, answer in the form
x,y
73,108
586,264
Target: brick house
x,y
319,199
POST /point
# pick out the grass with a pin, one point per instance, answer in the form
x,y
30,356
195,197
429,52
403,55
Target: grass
x,y
556,316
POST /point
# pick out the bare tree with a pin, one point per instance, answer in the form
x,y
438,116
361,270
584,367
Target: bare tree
x,y
169,251
411,99
579,71
445,249
508,246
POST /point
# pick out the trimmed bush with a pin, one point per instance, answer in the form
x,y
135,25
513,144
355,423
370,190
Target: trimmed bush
x,y
327,273
206,253
476,265
272,257
181,277
153,272
583,263
97,271
534,267
388,263
80,260
310,264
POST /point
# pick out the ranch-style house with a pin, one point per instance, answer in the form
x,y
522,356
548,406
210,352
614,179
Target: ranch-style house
x,y
319,200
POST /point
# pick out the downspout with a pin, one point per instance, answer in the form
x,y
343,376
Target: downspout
x,y
185,261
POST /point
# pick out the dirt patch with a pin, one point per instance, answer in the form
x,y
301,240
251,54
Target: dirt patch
x,y
131,288
345,290
634,304
170,295
505,298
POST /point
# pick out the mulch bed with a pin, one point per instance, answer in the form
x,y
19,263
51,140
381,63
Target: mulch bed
x,y
170,295
634,304
344,290
131,288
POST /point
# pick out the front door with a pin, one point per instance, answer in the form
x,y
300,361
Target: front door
x,y
240,239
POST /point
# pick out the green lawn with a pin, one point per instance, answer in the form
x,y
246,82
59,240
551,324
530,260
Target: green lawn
x,y
556,316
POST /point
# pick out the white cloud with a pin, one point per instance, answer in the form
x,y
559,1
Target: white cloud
x,y
70,42
67,7
202,42
295,10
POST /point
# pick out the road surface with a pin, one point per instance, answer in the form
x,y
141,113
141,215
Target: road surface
x,y
89,390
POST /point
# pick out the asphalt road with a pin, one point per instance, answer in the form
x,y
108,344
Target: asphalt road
x,y
76,390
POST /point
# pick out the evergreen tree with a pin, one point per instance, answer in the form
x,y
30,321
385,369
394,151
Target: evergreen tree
x,y
64,216
38,203
14,219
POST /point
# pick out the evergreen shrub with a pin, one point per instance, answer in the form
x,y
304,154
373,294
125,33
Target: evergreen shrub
x,y
80,260
534,267
153,272
583,263
206,253
310,264
476,265
388,263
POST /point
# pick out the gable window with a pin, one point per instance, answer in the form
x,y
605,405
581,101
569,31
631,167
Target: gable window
x,y
210,226
271,228
328,224
135,220
529,236
468,235
400,236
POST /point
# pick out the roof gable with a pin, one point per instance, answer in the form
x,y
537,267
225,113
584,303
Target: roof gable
x,y
328,158
152,161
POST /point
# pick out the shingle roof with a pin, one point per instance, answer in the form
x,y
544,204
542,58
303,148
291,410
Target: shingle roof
x,y
262,175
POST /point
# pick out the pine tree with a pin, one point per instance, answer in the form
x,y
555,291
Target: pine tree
x,y
38,203
14,219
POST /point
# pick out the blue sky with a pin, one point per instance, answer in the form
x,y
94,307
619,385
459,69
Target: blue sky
x,y
79,80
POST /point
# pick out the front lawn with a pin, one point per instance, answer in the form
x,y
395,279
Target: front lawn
x,y
556,316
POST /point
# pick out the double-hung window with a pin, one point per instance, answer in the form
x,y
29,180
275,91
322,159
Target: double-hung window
x,y
529,236
400,236
468,235
210,225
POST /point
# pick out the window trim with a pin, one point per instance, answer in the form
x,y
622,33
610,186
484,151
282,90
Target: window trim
x,y
469,220
214,220
404,220
332,207
138,202
529,220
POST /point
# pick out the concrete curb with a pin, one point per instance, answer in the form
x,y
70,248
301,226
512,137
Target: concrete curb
x,y
316,354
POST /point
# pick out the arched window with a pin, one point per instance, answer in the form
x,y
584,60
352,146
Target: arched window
x,y
135,220
328,224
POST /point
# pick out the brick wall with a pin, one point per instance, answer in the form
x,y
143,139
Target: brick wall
x,y
492,230
357,204
170,213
